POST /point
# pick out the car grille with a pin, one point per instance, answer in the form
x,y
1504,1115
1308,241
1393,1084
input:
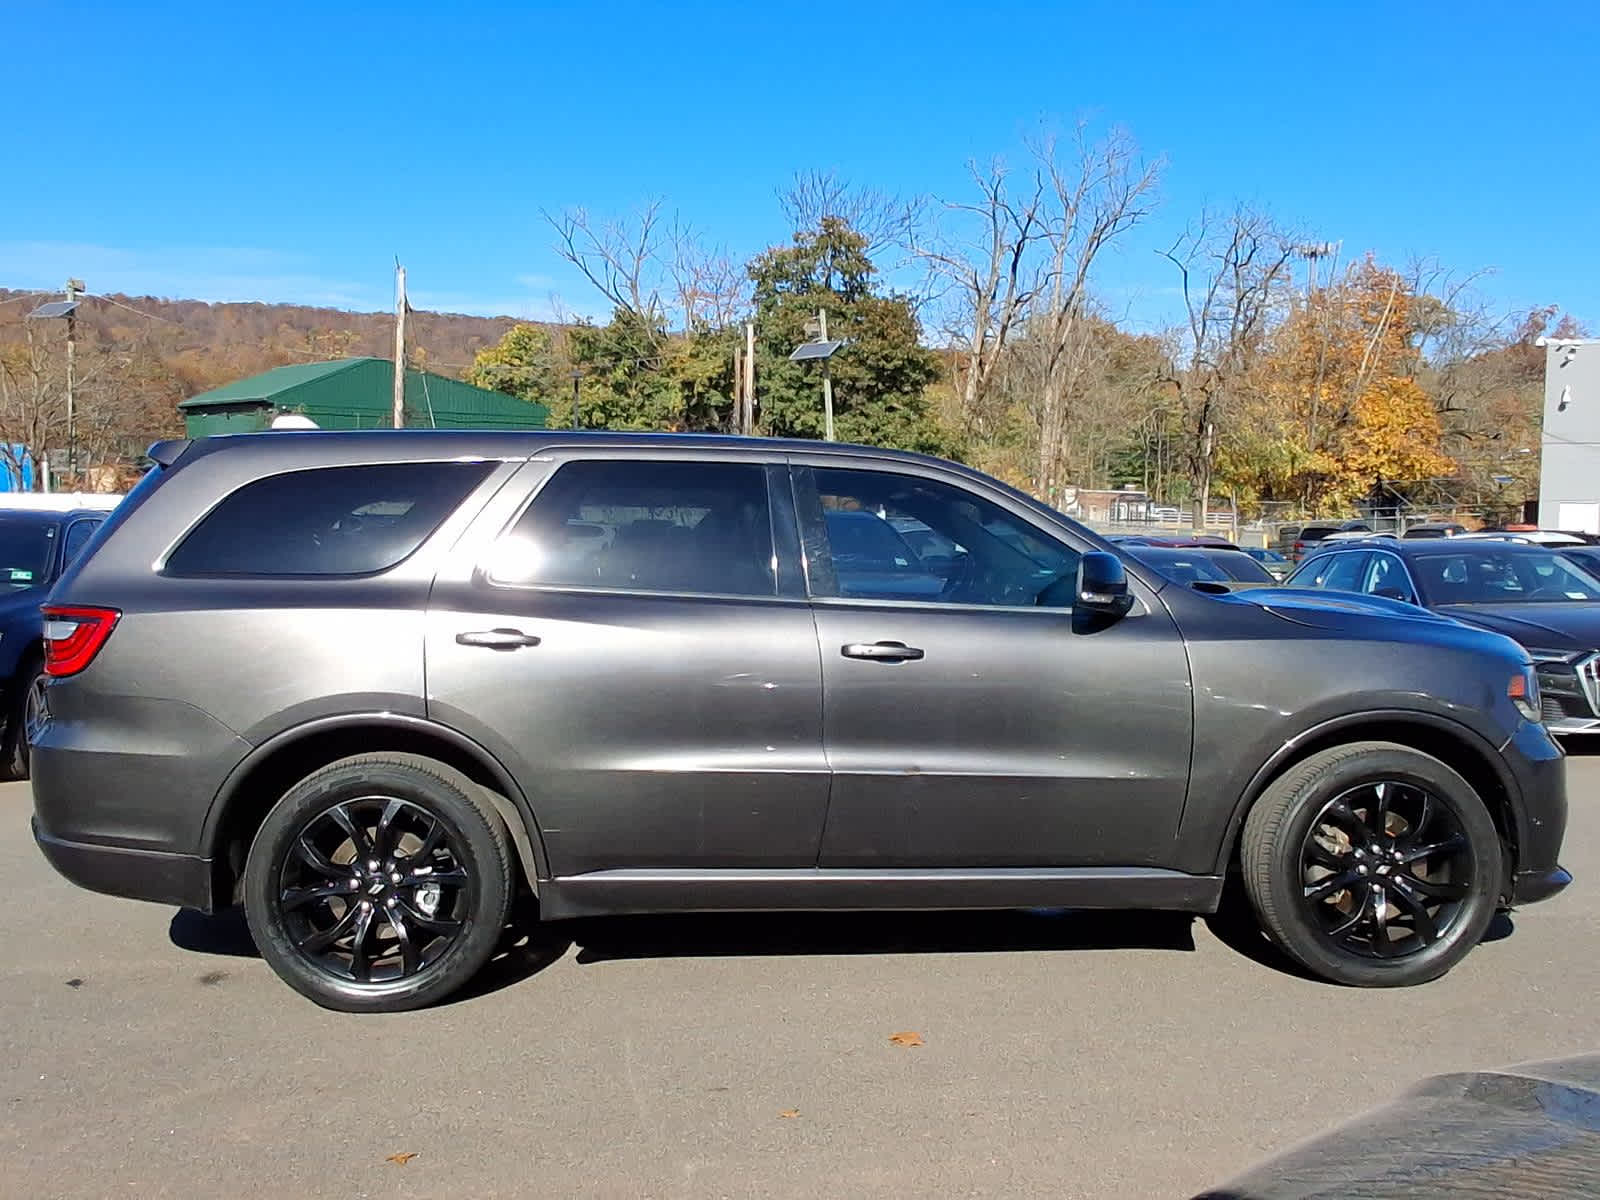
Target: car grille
x,y
1588,670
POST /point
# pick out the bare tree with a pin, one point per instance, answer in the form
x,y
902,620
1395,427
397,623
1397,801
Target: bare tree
x,y
1234,272
712,287
622,260
1097,193
883,218
984,261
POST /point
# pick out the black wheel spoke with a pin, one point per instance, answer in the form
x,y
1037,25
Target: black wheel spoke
x,y
1360,916
320,940
450,876
1436,889
319,862
1318,855
1345,817
384,838
410,953
353,830
1421,921
1415,854
433,924
299,897
430,842
1378,810
360,960
1331,884
1425,816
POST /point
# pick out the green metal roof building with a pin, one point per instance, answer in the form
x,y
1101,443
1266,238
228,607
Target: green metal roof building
x,y
354,393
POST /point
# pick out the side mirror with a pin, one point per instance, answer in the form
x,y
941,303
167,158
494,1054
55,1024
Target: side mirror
x,y
1102,585
1394,593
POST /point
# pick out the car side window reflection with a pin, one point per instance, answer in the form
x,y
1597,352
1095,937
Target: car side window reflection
x,y
1339,572
901,537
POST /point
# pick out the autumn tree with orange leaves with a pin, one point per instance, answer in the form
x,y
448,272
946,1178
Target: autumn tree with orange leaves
x,y
1337,408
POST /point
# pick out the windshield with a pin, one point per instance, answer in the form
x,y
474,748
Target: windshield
x,y
25,549
1181,566
1271,556
1503,577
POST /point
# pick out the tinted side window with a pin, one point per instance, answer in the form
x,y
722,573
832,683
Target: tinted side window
x,y
645,526
899,537
78,536
326,521
1336,572
1386,576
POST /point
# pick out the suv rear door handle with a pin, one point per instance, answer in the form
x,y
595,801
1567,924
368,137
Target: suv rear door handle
x,y
881,651
497,639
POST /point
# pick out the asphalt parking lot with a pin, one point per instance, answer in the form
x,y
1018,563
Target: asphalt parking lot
x,y
148,1053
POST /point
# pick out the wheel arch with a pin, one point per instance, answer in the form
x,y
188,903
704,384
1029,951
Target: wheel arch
x,y
262,777
1458,747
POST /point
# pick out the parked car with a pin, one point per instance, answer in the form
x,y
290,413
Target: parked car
x,y
1529,537
371,685
1534,594
1306,539
1274,563
1203,565
1434,529
36,544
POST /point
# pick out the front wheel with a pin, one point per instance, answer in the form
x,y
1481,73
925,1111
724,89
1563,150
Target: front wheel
x,y
1372,864
378,885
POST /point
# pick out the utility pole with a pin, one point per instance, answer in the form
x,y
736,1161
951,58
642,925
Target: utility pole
x,y
827,379
577,399
399,345
748,417
74,286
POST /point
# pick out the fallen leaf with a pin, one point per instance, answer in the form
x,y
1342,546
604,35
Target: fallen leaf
x,y
789,1112
906,1039
402,1158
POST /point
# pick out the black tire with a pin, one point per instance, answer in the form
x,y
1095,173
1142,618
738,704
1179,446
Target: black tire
x,y
14,756
442,845
1362,914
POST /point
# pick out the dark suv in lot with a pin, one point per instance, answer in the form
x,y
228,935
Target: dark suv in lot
x,y
372,685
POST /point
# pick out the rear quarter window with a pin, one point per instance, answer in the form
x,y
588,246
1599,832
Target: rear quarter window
x,y
327,521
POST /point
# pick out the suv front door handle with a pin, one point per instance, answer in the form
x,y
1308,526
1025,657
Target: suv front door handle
x,y
497,639
881,651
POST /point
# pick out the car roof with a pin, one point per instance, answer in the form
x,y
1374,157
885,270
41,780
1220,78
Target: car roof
x,y
1429,546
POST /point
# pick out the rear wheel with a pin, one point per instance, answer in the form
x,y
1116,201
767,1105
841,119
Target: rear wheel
x,y
1373,864
378,885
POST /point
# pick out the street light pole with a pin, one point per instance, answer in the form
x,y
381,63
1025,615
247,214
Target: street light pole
x,y
74,286
827,379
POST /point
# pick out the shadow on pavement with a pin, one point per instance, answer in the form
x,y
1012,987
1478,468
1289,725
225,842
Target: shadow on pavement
x,y
525,949
1234,924
703,935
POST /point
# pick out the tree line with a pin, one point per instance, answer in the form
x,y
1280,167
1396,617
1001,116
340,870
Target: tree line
x,y
1296,382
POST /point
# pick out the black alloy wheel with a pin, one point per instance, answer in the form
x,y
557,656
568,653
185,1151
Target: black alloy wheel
x,y
1386,867
375,889
381,883
1373,864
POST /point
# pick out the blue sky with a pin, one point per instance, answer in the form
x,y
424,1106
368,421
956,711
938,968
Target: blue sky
x,y
287,152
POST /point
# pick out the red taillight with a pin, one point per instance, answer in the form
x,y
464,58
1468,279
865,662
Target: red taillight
x,y
73,635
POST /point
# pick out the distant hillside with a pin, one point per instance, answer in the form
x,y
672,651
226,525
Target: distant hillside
x,y
197,346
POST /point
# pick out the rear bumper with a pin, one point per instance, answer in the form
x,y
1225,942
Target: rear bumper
x,y
154,875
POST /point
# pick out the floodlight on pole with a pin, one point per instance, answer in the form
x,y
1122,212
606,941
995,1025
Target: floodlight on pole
x,y
820,349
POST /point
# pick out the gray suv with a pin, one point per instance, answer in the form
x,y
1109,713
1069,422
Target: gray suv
x,y
375,685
